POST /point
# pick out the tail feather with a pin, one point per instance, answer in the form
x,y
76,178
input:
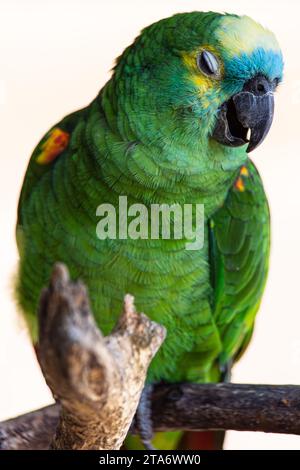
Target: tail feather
x,y
202,440
199,440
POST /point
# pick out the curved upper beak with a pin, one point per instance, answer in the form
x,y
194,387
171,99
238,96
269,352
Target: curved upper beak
x,y
255,113
251,110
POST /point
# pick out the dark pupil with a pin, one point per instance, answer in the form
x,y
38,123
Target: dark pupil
x,y
207,64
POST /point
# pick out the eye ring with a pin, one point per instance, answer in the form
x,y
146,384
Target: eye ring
x,y
208,64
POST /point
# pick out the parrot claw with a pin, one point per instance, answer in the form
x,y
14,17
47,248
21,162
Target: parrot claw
x,y
143,418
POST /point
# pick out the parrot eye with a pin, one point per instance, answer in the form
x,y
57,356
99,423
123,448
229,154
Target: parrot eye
x,y
208,64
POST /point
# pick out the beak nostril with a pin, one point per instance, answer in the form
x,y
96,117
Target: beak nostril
x,y
260,87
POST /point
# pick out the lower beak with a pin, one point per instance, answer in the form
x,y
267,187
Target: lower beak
x,y
250,111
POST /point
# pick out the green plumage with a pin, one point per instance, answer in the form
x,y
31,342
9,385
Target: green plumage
x,y
147,136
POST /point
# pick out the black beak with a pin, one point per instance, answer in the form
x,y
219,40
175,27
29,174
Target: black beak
x,y
251,110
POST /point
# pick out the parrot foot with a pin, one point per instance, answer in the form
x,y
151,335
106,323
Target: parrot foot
x,y
225,370
143,418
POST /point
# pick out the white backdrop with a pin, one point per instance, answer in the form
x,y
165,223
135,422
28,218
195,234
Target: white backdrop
x,y
54,57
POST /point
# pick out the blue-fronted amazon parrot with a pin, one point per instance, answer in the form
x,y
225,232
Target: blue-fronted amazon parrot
x,y
175,123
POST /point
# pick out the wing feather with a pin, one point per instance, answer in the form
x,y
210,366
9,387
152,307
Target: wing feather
x,y
239,254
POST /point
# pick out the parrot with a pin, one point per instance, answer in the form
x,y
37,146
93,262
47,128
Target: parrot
x,y
186,103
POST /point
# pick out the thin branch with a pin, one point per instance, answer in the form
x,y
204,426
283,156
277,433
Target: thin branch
x,y
239,407
31,431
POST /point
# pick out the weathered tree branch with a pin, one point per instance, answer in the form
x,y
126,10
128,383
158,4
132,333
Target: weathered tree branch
x,y
98,382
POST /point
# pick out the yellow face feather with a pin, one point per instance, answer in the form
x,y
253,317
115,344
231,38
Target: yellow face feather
x,y
202,82
244,35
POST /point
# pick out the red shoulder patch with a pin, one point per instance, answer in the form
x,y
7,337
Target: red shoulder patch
x,y
54,145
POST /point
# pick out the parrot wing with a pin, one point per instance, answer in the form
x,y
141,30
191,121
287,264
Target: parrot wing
x,y
239,255
51,146
239,238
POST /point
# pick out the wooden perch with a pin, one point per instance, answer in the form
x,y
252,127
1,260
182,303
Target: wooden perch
x,y
267,408
98,381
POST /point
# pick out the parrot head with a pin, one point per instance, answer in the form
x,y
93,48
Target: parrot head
x,y
201,79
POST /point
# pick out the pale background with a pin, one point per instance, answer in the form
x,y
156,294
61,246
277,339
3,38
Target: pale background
x,y
54,57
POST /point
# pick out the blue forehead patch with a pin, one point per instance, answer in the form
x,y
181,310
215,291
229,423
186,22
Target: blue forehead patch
x,y
244,66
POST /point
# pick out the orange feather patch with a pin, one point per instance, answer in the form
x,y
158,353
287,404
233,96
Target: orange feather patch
x,y
239,183
54,145
244,171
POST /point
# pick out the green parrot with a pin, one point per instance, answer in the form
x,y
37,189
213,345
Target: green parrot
x,y
186,103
